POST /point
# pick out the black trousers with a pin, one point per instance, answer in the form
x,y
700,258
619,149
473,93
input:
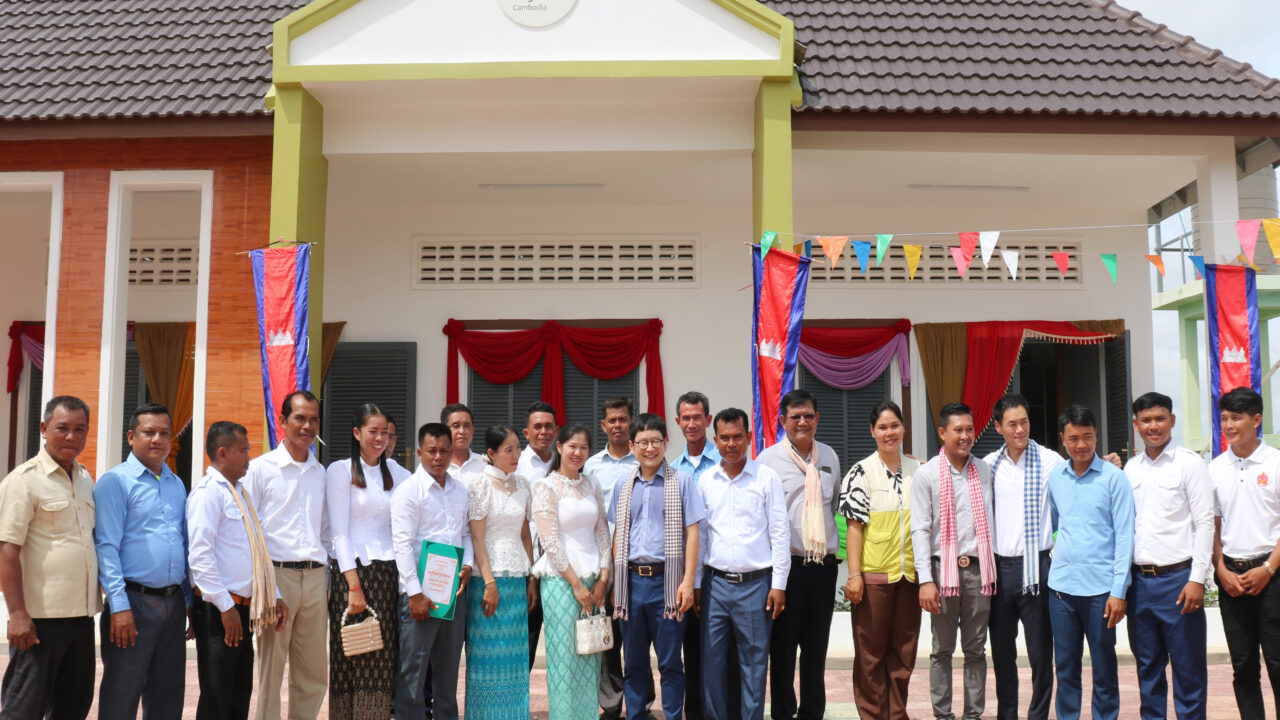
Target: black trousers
x,y
1250,622
610,690
153,671
535,629
1009,606
53,679
804,625
226,673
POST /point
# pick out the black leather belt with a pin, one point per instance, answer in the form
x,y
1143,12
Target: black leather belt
x,y
1158,570
298,565
165,591
736,578
647,570
963,561
828,560
1240,565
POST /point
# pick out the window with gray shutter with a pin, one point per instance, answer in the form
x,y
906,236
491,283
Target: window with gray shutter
x,y
135,394
584,394
844,415
1119,407
35,413
384,373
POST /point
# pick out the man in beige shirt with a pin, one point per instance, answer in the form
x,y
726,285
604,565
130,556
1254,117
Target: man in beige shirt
x,y
49,571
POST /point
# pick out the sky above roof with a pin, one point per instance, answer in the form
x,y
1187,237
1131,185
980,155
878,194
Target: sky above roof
x,y
1232,26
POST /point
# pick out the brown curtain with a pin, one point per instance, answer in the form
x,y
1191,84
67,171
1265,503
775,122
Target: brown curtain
x,y
1111,327
943,353
166,352
330,332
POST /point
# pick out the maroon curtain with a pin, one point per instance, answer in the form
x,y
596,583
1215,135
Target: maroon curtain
x,y
33,331
603,353
852,342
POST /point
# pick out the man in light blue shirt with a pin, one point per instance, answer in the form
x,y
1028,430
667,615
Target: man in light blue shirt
x,y
1091,505
141,536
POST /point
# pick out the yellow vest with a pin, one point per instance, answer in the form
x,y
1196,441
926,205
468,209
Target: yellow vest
x,y
886,540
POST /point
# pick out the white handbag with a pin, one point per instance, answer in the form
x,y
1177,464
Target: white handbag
x,y
593,633
362,637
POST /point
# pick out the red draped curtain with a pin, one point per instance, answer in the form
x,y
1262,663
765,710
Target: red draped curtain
x,y
852,342
507,356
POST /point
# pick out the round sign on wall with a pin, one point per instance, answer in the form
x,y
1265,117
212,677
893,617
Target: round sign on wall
x,y
536,13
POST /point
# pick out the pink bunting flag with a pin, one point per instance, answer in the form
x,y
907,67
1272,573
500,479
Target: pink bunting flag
x,y
833,246
1063,259
969,243
1247,230
962,258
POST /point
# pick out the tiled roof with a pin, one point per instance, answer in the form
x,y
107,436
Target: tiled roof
x,y
1087,57
62,59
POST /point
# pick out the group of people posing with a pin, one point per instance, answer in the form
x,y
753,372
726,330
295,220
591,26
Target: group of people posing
x,y
723,566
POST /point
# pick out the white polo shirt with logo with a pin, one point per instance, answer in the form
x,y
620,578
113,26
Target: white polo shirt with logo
x,y
1246,495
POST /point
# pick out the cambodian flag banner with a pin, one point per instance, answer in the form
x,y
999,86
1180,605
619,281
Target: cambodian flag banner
x,y
280,281
781,279
1235,346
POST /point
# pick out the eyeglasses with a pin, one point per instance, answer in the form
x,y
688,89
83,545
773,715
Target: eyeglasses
x,y
646,444
807,417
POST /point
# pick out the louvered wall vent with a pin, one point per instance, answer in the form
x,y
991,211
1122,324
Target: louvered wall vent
x,y
163,262
1035,265
504,260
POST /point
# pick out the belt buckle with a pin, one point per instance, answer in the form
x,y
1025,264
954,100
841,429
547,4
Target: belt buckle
x,y
734,578
1150,570
644,570
170,590
963,561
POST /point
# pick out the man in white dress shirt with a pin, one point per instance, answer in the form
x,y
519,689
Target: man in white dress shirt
x,y
1172,549
608,468
746,557
1019,470
535,461
430,506
463,461
811,585
287,486
222,573
1246,489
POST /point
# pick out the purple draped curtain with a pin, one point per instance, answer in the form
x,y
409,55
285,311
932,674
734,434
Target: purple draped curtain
x,y
853,373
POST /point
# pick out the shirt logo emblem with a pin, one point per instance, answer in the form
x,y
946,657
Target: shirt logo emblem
x,y
1263,480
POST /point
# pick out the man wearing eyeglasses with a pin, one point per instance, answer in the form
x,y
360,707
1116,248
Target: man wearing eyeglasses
x,y
809,471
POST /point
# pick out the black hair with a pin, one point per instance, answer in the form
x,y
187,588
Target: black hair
x,y
1078,415
1241,400
538,406
1146,401
951,410
616,403
879,409
494,436
363,413
693,397
287,406
567,433
435,430
648,421
799,396
70,402
731,415
452,408
148,409
222,434
1009,402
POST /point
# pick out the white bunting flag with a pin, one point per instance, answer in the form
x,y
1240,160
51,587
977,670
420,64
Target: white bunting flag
x,y
988,242
1011,260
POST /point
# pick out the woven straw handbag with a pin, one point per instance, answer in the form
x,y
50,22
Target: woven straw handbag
x,y
362,637
593,633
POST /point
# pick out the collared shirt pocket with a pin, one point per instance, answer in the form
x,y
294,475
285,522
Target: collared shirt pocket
x,y
57,514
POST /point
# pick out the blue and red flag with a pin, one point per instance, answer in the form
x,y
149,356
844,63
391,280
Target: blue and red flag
x,y
781,279
280,282
1235,346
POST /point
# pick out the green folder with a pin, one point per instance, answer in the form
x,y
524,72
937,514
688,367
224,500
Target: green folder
x,y
438,555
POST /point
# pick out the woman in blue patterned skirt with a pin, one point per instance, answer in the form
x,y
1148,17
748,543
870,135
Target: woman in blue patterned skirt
x,y
573,571
501,592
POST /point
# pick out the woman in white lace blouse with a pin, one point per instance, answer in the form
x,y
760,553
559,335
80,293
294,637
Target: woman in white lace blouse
x,y
574,571
499,596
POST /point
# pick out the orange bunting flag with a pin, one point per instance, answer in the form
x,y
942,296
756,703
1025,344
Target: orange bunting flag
x,y
968,243
913,258
1063,259
833,246
962,258
1158,261
1272,230
1247,231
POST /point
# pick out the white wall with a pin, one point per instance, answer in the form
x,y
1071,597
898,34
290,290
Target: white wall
x,y
164,215
24,244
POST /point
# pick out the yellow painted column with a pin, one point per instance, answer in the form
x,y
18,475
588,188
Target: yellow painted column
x,y
299,188
771,161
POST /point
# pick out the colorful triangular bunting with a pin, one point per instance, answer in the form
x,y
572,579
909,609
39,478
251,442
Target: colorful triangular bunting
x,y
1272,230
1247,231
862,249
766,242
968,243
1109,259
882,247
833,246
988,241
962,259
1158,261
1063,259
1011,260
912,252
1198,262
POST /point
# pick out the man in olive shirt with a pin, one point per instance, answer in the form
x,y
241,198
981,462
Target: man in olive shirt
x,y
49,571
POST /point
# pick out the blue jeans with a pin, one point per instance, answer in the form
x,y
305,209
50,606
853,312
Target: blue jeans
x,y
1160,635
1074,619
645,626
734,610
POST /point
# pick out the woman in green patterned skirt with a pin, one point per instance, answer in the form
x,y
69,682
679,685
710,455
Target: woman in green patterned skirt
x,y
574,572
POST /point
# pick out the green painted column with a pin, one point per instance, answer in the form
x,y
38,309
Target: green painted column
x,y
771,161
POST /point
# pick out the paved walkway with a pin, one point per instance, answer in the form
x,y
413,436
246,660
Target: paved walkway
x,y
840,693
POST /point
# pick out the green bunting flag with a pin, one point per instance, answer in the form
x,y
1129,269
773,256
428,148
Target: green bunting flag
x,y
882,247
766,242
1109,259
